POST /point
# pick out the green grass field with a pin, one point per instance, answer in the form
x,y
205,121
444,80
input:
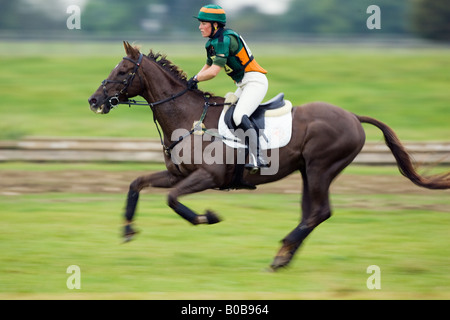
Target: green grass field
x,y
50,232
42,234
170,259
45,86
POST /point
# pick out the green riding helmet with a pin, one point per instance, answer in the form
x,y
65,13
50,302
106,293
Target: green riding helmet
x,y
212,13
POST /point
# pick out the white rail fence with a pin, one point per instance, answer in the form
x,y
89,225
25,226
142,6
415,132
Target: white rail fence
x,y
149,150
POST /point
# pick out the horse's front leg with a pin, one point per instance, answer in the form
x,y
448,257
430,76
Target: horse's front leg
x,y
197,181
162,179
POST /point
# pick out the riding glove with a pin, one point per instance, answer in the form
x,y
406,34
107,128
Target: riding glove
x,y
192,83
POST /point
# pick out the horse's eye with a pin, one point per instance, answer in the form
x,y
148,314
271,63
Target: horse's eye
x,y
121,73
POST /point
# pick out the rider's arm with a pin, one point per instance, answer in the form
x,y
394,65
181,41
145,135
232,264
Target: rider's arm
x,y
208,72
216,60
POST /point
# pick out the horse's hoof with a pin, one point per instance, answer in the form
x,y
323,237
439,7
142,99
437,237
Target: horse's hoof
x,y
269,270
129,233
127,238
279,262
212,217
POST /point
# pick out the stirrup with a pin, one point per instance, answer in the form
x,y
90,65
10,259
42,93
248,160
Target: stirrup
x,y
253,169
252,164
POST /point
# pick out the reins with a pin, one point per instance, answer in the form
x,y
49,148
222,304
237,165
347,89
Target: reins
x,y
132,102
197,126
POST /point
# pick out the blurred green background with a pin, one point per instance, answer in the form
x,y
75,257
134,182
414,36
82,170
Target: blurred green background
x,y
321,50
45,86
313,50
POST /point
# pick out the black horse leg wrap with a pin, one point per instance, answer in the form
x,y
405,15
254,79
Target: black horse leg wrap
x,y
186,213
298,234
132,200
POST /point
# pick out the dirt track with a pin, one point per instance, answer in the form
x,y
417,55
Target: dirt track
x,y
15,182
86,181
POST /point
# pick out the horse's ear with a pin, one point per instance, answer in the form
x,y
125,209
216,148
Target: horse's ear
x,y
127,46
130,50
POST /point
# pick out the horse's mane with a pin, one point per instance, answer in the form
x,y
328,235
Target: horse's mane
x,y
161,59
166,64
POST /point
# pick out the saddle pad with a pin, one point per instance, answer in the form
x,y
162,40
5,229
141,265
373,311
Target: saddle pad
x,y
277,129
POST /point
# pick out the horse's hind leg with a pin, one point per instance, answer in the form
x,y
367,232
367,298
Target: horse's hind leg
x,y
331,144
315,210
162,179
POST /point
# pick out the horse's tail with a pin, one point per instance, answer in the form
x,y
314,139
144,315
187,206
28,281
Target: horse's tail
x,y
404,161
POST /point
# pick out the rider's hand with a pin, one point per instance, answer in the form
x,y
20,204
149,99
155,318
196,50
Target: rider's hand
x,y
192,83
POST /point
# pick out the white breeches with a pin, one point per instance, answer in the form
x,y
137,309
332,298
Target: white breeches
x,y
251,92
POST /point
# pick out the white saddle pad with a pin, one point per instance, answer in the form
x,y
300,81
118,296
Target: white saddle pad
x,y
278,129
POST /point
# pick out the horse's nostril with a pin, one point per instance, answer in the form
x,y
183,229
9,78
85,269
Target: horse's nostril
x,y
92,101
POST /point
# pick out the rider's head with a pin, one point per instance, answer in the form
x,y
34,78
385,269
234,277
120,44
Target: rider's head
x,y
211,18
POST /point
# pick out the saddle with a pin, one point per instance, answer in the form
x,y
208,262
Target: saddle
x,y
273,117
258,116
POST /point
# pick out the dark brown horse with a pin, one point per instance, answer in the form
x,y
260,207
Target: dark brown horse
x,y
325,139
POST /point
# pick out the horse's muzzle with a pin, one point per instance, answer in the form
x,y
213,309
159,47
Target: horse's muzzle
x,y
99,107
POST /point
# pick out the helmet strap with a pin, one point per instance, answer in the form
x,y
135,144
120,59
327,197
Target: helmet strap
x,y
214,29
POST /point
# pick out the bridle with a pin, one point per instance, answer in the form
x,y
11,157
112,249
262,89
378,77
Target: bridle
x,y
114,100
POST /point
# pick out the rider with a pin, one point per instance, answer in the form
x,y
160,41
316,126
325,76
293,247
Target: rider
x,y
227,49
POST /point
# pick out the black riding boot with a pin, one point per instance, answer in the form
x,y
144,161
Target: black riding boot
x,y
251,137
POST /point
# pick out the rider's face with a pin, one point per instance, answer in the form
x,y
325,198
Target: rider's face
x,y
205,28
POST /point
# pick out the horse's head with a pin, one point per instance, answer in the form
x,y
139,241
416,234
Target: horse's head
x,y
120,84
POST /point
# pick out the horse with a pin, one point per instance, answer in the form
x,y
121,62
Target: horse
x,y
325,139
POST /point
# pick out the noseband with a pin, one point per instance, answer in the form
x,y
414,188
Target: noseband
x,y
114,100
